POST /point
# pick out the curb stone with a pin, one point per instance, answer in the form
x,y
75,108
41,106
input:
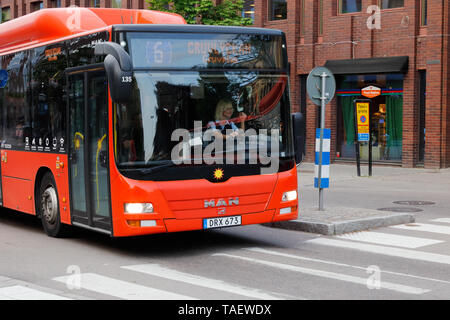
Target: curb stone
x,y
345,226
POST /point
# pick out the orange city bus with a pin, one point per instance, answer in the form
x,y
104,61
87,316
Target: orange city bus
x,y
104,114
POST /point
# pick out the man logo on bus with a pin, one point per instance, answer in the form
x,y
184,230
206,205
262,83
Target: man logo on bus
x,y
215,203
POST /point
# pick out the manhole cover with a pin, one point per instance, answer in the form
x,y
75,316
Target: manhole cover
x,y
414,203
401,209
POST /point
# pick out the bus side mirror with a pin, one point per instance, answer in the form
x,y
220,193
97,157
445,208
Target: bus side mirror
x,y
118,68
298,125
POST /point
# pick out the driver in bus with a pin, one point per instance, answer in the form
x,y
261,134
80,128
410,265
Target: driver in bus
x,y
224,111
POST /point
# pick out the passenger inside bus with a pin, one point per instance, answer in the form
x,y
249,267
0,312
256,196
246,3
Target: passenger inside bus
x,y
164,127
132,141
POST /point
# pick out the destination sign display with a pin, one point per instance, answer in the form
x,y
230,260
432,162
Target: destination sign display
x,y
206,51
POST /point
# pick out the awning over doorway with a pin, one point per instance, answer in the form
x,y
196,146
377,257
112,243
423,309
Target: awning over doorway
x,y
369,65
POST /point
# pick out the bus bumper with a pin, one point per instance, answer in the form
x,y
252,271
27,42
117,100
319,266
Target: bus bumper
x,y
178,225
175,225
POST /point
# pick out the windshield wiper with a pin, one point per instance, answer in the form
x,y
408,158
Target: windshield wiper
x,y
157,168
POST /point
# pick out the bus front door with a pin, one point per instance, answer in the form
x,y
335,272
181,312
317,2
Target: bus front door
x,y
88,130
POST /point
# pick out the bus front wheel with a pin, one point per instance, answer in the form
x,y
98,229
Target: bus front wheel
x,y
49,207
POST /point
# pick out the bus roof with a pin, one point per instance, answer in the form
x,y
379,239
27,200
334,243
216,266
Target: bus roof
x,y
191,28
51,24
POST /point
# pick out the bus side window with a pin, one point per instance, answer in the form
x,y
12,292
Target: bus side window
x,y
16,115
48,96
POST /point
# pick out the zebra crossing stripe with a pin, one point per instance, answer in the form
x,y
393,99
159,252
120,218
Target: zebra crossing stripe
x,y
333,263
24,293
388,251
329,275
432,228
162,272
389,239
122,289
443,220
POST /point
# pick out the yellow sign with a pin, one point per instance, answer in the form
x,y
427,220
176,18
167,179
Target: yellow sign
x,y
362,120
362,116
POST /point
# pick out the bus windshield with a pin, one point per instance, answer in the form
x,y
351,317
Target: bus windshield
x,y
187,96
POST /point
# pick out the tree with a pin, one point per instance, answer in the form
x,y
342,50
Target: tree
x,y
226,13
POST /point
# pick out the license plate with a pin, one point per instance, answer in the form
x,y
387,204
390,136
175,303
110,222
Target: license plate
x,y
222,222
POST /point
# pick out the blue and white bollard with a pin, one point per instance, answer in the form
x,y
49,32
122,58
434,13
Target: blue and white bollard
x,y
325,168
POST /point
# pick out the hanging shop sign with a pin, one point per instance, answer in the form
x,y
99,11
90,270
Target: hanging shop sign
x,y
370,92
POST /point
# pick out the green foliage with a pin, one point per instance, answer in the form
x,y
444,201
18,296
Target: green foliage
x,y
227,13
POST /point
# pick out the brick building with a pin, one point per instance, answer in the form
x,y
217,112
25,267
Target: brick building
x,y
400,46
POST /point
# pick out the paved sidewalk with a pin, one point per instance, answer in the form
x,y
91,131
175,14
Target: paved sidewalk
x,y
392,195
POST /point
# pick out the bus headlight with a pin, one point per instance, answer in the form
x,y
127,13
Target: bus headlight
x,y
136,208
289,196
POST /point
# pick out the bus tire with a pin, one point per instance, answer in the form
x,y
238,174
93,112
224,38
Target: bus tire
x,y
48,206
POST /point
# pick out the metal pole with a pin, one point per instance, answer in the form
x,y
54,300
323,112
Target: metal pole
x,y
322,126
358,157
370,141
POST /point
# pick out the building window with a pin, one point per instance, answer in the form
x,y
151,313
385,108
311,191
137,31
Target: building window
x,y
95,3
386,116
116,3
278,10
6,14
302,18
349,6
249,9
389,4
422,108
303,104
424,13
35,6
320,17
54,4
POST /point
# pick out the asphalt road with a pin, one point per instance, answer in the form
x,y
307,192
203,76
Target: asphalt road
x,y
408,262
239,263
